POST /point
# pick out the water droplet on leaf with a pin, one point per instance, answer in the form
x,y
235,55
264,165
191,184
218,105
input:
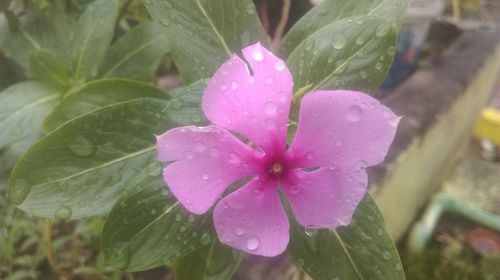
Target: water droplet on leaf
x,y
63,213
81,146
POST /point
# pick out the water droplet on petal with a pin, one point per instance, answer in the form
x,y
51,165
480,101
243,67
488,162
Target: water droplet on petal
x,y
234,85
257,53
234,158
354,113
279,66
251,80
270,108
200,147
223,87
239,231
270,124
214,152
204,177
253,243
189,155
270,80
338,142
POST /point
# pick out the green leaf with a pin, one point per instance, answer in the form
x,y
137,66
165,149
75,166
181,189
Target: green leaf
x,y
136,55
98,94
206,32
23,107
80,169
46,67
361,250
50,30
330,11
357,57
148,227
95,32
214,262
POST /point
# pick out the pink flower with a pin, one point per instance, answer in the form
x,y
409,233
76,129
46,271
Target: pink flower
x,y
321,173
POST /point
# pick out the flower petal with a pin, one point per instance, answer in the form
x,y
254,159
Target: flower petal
x,y
207,161
342,128
326,198
252,219
255,106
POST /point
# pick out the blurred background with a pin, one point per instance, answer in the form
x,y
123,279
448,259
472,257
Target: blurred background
x,y
439,189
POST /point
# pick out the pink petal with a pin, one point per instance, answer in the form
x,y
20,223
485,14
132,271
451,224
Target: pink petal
x,y
255,106
252,219
326,198
207,161
341,127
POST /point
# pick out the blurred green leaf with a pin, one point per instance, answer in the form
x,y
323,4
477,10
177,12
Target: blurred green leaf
x,y
214,262
80,169
46,67
138,54
23,108
94,34
330,11
98,94
50,30
206,32
361,250
148,226
358,56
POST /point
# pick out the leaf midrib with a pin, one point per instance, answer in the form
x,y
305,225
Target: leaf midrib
x,y
212,25
30,105
351,261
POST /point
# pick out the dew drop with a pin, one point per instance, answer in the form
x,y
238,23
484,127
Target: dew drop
x,y
251,80
223,87
253,243
391,51
363,74
339,42
234,158
176,103
63,213
204,177
154,169
234,85
379,66
311,232
360,40
382,30
239,231
354,113
270,109
270,80
205,239
250,9
338,143
189,155
19,191
165,22
270,124
279,66
81,146
200,147
257,53
214,152
387,255
178,217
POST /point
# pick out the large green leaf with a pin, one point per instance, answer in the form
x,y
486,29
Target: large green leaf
x,y
23,107
330,11
361,250
214,262
148,227
206,32
97,94
136,55
48,68
95,31
50,30
80,169
357,56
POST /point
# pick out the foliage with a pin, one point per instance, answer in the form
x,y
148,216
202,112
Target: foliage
x,y
88,96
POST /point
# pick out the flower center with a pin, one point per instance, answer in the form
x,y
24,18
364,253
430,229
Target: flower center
x,y
276,169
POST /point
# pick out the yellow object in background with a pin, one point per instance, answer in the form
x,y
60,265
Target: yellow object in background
x,y
488,126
